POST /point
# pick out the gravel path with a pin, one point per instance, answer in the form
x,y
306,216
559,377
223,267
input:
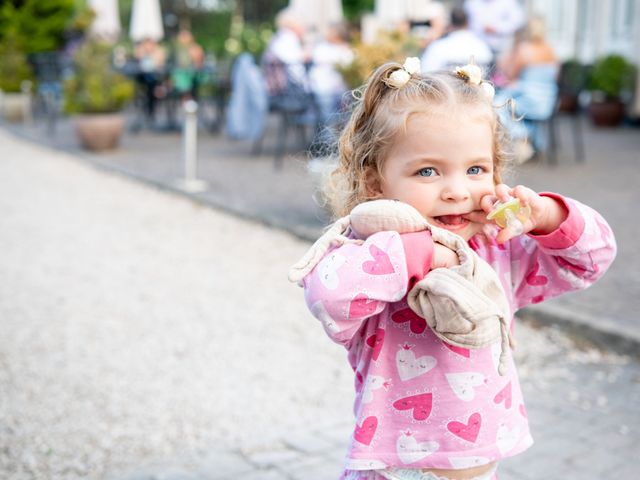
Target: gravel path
x,y
136,326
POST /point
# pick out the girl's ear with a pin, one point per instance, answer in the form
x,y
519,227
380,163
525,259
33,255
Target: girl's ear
x,y
373,184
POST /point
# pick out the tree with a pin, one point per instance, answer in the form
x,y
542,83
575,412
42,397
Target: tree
x,y
39,26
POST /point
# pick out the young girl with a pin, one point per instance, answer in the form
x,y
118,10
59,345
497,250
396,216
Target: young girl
x,y
426,409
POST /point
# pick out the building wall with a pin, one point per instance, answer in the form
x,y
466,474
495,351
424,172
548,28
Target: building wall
x,y
586,29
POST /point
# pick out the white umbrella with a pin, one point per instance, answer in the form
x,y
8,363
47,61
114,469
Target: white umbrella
x,y
317,15
106,24
146,20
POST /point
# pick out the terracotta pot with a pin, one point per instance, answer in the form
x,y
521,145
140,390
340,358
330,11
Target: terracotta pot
x,y
607,113
99,131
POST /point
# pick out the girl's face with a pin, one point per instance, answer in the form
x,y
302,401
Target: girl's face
x,y
442,166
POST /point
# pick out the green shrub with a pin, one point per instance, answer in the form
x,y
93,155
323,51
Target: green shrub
x,y
612,75
95,87
14,67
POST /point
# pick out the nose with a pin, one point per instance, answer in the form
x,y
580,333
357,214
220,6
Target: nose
x,y
455,190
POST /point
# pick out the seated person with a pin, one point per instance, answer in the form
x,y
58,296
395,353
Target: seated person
x,y
327,83
457,47
285,57
530,71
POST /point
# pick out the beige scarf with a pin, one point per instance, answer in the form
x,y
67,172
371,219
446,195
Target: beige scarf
x,y
464,305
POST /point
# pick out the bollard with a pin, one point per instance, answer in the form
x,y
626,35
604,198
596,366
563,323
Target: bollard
x,y
190,183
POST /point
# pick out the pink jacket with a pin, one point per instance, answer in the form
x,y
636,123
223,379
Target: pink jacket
x,y
421,403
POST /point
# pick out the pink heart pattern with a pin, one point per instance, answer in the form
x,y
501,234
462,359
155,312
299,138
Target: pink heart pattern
x,y
375,341
504,395
467,431
362,306
537,299
416,324
463,352
380,265
534,279
364,433
523,411
577,270
421,405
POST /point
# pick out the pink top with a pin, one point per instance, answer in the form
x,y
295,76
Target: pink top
x,y
421,403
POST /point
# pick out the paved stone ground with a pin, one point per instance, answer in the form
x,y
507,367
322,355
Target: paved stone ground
x,y
121,349
250,187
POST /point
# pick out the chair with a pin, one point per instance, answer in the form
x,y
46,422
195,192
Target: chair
x,y
291,100
537,102
49,69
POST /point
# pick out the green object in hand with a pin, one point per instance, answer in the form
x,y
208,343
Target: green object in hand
x,y
510,214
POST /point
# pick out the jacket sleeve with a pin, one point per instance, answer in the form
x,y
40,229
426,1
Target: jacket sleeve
x,y
355,282
571,258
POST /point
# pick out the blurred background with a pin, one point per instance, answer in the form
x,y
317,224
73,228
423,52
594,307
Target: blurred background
x,y
150,333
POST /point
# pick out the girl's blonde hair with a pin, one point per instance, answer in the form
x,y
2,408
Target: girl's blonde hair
x,y
381,111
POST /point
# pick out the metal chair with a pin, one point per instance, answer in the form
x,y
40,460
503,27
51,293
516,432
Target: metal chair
x,y
542,121
291,100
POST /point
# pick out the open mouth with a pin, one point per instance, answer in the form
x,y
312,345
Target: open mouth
x,y
451,222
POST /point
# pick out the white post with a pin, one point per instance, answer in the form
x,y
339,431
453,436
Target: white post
x,y
190,143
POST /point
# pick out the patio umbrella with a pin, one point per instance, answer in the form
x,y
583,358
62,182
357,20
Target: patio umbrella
x,y
146,20
106,24
318,15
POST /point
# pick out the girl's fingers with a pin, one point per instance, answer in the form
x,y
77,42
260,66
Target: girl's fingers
x,y
486,203
504,235
523,193
503,192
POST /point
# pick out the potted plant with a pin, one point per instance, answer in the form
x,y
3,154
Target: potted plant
x,y
611,77
96,94
15,81
389,46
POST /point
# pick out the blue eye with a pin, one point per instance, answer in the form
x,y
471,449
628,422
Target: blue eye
x,y
426,172
475,170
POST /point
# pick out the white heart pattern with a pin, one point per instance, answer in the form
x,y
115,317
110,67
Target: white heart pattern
x,y
496,350
528,244
460,463
409,366
463,384
371,383
318,311
571,279
410,450
327,270
507,439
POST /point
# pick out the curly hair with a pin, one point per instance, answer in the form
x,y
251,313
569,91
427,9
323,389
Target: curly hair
x,y
381,111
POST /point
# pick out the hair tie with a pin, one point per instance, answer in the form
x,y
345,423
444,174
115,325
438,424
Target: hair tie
x,y
472,73
399,78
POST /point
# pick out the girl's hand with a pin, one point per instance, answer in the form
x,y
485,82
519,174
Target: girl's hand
x,y
546,213
443,257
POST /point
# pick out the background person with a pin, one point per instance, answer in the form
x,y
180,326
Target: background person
x,y
151,58
457,47
529,73
187,62
285,54
495,21
327,83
